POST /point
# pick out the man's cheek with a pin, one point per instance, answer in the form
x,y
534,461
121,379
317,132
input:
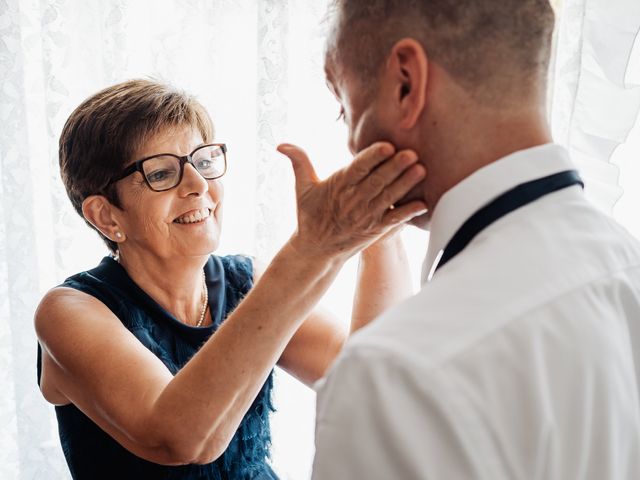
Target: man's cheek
x,y
352,145
368,131
359,140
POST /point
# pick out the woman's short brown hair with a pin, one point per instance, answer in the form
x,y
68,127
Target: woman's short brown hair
x,y
104,133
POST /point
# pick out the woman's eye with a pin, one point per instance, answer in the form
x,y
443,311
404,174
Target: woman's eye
x,y
204,164
340,115
159,175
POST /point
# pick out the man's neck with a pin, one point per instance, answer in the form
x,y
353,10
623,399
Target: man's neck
x,y
457,150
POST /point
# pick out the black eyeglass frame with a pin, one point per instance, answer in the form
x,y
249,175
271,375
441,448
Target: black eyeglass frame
x,y
137,165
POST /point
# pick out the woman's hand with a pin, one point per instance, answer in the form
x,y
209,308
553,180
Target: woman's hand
x,y
349,210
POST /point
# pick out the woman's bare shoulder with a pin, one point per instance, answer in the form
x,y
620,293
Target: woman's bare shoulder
x,y
60,322
64,305
59,297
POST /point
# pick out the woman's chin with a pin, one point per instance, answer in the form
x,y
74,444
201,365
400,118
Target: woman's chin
x,y
206,245
201,240
198,250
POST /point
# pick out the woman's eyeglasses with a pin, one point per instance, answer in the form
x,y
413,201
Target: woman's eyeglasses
x,y
163,172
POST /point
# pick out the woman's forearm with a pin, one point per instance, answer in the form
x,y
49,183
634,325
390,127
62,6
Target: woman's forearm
x,y
383,281
215,389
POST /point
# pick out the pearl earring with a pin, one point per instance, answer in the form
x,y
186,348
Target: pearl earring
x,y
118,235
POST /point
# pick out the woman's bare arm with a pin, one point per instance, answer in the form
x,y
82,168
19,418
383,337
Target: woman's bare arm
x,y
383,281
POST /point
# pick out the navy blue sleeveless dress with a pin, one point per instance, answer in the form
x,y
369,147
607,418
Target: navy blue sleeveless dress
x,y
91,453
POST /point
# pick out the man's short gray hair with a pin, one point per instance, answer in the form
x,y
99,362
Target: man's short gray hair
x,y
492,48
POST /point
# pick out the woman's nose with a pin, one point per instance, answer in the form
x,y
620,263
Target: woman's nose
x,y
192,182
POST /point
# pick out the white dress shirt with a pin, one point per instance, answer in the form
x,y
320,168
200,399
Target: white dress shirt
x,y
518,359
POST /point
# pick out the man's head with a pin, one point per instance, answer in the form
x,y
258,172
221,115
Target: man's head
x,y
492,48
422,72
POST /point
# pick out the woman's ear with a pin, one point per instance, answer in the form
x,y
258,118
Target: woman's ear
x,y
98,211
409,65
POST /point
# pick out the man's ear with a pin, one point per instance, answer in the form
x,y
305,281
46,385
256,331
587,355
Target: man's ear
x,y
409,64
99,212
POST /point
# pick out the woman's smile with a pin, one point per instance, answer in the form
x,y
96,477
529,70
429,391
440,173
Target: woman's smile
x,y
194,217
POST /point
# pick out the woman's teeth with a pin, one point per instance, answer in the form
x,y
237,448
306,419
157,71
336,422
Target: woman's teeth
x,y
197,216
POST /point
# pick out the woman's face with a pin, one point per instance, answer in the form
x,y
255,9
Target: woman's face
x,y
167,224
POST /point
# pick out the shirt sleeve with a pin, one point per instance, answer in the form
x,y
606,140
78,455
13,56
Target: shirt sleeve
x,y
377,418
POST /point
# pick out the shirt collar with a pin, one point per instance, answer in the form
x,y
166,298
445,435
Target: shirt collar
x,y
484,185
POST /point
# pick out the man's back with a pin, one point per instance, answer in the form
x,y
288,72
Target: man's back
x,y
520,359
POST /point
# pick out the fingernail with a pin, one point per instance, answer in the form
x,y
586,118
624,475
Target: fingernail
x,y
411,156
387,149
418,171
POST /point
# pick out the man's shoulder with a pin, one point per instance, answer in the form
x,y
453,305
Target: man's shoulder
x,y
515,272
423,331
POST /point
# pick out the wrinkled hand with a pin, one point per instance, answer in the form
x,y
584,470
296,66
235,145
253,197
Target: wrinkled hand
x,y
349,210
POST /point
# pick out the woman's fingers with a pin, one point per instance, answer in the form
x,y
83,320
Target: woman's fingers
x,y
367,160
401,215
302,168
382,177
397,190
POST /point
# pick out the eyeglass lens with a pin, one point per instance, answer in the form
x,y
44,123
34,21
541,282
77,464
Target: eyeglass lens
x,y
163,172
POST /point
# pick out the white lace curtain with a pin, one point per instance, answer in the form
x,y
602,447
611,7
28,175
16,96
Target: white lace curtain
x,y
257,66
596,91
